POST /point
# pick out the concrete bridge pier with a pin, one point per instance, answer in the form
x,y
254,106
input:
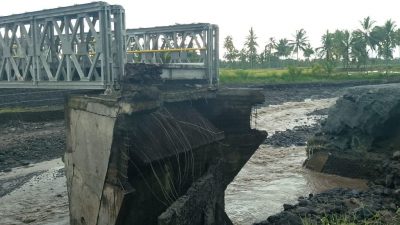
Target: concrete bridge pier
x,y
163,156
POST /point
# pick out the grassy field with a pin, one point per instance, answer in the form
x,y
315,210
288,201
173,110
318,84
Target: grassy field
x,y
298,75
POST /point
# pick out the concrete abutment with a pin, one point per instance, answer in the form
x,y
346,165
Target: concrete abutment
x,y
163,158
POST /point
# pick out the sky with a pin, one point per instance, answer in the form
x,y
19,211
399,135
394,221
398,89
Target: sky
x,y
278,19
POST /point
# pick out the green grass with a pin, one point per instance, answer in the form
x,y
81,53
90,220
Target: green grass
x,y
294,75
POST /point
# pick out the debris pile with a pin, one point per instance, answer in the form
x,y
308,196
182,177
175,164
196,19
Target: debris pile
x,y
141,73
297,136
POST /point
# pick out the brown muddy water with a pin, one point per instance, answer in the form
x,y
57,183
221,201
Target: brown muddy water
x,y
274,176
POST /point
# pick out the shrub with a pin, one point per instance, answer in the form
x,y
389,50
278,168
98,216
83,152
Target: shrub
x,y
329,67
294,71
317,69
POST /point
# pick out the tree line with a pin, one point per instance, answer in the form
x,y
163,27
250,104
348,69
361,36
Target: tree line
x,y
341,48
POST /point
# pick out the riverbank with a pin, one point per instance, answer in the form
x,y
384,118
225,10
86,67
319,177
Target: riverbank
x,y
274,176
379,203
375,204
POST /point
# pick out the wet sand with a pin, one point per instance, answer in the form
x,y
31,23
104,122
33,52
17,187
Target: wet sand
x,y
42,200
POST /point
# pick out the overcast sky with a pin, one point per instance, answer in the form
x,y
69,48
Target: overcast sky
x,y
278,19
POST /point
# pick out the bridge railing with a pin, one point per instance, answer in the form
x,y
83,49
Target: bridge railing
x,y
75,47
188,51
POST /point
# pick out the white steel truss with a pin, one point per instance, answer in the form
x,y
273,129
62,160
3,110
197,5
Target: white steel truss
x,y
69,46
86,47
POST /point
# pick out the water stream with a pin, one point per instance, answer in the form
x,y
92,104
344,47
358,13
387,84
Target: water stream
x,y
274,176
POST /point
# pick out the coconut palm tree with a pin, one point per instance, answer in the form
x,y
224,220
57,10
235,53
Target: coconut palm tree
x,y
398,38
346,48
326,50
358,46
251,46
272,43
387,40
308,52
300,42
268,50
366,29
283,48
342,45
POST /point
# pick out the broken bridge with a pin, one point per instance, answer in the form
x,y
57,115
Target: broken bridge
x,y
163,142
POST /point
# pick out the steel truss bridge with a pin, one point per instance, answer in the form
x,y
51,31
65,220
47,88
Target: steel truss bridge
x,y
86,47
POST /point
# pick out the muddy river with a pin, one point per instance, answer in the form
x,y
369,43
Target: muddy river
x,y
273,176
